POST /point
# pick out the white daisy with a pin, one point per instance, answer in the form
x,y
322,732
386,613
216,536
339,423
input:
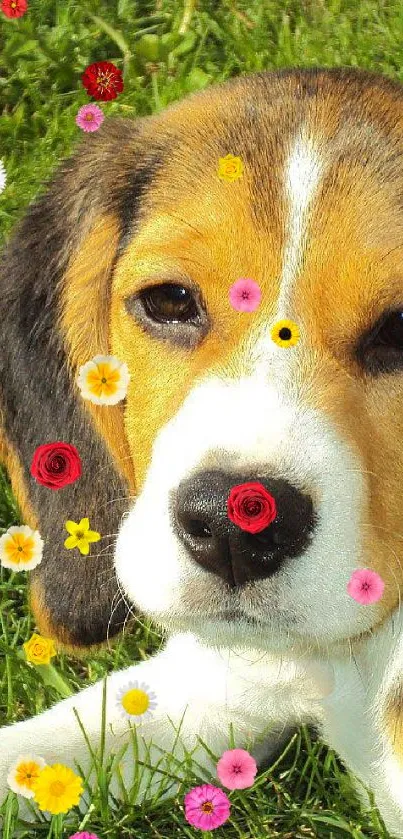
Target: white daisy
x,y
136,701
103,380
21,548
24,773
3,176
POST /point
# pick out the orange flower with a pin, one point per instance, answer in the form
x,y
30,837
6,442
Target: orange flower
x,y
103,380
23,774
21,548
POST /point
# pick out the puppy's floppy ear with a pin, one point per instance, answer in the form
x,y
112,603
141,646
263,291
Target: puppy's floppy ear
x,y
55,279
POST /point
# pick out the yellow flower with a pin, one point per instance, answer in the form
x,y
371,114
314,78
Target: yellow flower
x,y
80,536
103,380
39,650
23,774
136,700
230,168
285,333
21,548
57,789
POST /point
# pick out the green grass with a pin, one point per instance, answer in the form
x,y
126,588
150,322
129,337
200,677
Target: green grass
x,y
166,50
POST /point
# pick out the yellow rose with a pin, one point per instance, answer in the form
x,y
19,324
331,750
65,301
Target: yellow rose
x,y
230,168
39,650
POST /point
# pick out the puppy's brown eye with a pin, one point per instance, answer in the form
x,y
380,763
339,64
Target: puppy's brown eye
x,y
171,312
381,351
169,303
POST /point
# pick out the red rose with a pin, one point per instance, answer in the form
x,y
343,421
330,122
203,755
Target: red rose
x,y
14,8
102,80
55,465
251,507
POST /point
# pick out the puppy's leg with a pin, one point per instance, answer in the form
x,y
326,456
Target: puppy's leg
x,y
198,689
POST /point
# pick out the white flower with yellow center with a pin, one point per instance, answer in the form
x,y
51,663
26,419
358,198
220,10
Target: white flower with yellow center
x,y
103,380
23,774
21,548
136,701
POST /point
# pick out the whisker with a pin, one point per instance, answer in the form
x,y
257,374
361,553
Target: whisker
x,y
113,610
119,498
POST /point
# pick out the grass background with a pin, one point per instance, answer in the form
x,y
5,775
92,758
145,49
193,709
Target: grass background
x,y
166,49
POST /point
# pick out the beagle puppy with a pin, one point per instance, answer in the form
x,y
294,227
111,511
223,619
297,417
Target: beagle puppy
x,y
132,251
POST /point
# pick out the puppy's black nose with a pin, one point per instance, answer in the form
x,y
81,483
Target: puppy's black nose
x,y
200,514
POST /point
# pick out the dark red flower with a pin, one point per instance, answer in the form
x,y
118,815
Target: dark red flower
x,y
102,80
55,465
251,507
14,8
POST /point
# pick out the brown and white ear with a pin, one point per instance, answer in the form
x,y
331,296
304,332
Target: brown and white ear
x,y
55,279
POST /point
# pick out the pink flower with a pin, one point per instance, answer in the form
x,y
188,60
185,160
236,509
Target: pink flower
x,y
245,295
365,586
84,835
207,807
90,117
236,769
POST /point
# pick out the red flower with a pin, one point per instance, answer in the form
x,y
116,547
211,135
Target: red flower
x,y
55,465
14,8
102,80
251,507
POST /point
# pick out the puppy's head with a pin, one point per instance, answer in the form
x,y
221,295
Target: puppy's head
x,y
133,251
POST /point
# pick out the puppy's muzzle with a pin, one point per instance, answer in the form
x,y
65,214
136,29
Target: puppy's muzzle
x,y
200,520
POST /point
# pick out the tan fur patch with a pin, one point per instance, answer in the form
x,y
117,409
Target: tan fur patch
x,y
85,322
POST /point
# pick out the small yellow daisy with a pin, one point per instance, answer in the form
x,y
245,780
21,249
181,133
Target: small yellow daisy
x,y
80,536
136,701
285,333
21,548
103,380
23,774
57,789
230,168
39,650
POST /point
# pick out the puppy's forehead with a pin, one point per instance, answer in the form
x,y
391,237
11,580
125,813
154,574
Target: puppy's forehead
x,y
318,205
352,126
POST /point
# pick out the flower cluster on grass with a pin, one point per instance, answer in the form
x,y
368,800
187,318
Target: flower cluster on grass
x,y
208,807
55,789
